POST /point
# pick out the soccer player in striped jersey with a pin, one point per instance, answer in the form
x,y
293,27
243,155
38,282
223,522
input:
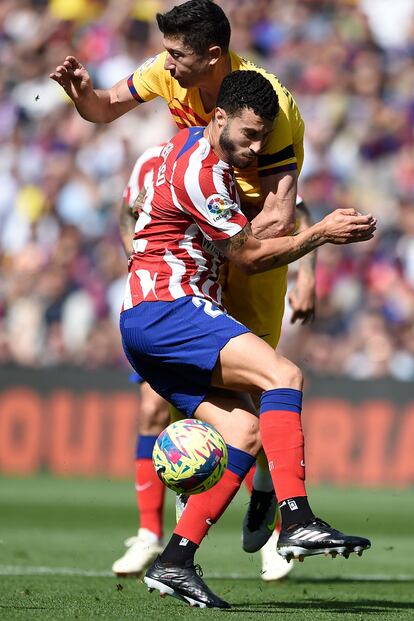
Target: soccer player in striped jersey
x,y
177,335
188,75
154,417
154,414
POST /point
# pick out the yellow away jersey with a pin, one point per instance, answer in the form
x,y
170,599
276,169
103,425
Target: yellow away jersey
x,y
284,148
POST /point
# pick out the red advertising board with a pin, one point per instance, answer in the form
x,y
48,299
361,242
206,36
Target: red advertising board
x,y
72,422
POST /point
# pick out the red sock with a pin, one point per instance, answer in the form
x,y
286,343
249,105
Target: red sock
x,y
283,442
278,523
248,481
150,494
203,510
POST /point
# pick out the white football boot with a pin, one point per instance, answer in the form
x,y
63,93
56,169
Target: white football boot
x,y
274,566
142,550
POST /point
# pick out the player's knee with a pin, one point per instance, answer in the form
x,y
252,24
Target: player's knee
x,y
153,416
284,374
292,375
247,434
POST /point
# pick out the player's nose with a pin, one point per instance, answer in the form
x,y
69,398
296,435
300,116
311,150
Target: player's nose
x,y
169,63
256,146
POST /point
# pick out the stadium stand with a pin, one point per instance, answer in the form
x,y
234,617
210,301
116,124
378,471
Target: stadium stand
x,y
61,264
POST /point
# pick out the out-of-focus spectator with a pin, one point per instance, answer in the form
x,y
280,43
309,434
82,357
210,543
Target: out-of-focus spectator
x,y
350,66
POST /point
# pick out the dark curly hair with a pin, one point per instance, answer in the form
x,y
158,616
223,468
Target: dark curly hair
x,y
201,23
248,89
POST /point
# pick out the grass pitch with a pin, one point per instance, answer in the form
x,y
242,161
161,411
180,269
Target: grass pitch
x,y
59,537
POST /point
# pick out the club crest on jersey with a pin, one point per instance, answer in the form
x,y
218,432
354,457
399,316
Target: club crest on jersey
x,y
218,207
147,64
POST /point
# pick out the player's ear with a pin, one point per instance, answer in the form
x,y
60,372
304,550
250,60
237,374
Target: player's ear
x,y
215,53
220,117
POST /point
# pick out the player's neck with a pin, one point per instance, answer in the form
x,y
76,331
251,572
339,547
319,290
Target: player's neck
x,y
211,134
209,90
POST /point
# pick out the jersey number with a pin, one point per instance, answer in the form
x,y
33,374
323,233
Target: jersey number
x,y
163,167
208,307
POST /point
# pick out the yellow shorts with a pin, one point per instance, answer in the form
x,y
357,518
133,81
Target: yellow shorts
x,y
257,301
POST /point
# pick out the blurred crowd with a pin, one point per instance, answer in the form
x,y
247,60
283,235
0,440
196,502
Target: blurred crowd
x,y
350,66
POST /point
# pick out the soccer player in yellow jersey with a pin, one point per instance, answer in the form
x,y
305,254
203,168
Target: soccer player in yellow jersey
x,y
188,75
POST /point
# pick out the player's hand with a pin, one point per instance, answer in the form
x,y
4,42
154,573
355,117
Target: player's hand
x,y
345,226
73,78
302,299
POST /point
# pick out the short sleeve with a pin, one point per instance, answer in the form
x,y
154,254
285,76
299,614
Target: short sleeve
x,y
285,143
149,80
214,204
141,175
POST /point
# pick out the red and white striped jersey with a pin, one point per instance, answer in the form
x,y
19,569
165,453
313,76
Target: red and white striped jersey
x,y
142,174
190,203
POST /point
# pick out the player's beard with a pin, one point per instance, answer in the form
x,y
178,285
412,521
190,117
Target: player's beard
x,y
227,146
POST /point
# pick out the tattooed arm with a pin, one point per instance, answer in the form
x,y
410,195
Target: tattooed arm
x,y
127,221
302,295
253,255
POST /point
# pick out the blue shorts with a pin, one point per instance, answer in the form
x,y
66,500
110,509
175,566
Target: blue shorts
x,y
136,378
175,345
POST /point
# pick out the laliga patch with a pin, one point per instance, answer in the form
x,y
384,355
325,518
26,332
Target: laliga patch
x,y
218,208
147,64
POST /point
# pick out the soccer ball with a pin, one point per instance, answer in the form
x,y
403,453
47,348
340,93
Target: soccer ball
x,y
189,456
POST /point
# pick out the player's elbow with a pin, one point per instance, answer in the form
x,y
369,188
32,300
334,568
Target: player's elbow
x,y
248,259
248,264
248,268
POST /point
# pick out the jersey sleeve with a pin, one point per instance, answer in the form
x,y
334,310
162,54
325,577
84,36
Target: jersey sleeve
x,y
131,190
141,174
284,149
150,80
213,203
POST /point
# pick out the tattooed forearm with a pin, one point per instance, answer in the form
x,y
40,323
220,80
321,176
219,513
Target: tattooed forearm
x,y
254,255
239,240
300,250
232,246
307,263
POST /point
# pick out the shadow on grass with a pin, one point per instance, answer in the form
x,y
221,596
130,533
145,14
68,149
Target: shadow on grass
x,y
329,604
323,580
362,606
352,580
